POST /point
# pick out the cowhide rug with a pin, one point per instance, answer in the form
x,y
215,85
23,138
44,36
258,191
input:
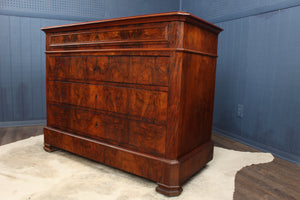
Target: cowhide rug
x,y
27,172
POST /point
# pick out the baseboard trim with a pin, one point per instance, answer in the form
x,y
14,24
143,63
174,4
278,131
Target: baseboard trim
x,y
262,147
23,123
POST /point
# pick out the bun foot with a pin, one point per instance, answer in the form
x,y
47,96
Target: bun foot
x,y
49,148
169,191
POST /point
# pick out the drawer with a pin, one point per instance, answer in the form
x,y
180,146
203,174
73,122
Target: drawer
x,y
149,138
141,103
147,70
132,36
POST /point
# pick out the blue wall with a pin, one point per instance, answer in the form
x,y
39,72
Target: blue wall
x,y
22,68
223,10
259,69
22,45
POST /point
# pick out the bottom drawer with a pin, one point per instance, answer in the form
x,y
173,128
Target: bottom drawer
x,y
137,135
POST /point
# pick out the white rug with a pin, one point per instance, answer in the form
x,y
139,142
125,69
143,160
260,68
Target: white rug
x,y
27,172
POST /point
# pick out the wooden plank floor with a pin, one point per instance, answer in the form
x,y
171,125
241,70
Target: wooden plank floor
x,y
12,134
278,180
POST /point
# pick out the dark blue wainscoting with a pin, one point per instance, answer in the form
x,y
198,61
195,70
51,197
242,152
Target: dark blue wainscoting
x,y
22,67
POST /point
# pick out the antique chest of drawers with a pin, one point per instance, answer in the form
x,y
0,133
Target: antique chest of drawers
x,y
134,93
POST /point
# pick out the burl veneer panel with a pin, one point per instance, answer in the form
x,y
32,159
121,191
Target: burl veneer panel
x,y
151,70
130,101
134,93
146,137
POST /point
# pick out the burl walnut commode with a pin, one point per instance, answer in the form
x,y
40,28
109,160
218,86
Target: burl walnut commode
x,y
134,93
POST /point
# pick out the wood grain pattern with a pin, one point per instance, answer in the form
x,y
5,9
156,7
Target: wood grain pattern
x,y
86,123
122,158
149,138
150,35
174,105
148,70
125,34
134,98
143,103
199,39
198,75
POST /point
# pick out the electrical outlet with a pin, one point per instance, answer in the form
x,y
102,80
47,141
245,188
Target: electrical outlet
x,y
240,111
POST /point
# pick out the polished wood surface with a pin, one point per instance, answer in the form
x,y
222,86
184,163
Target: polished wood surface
x,y
276,180
123,100
108,128
152,70
134,93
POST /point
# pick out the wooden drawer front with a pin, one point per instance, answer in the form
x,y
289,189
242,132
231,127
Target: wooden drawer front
x,y
136,102
135,134
66,67
148,70
147,136
108,37
87,123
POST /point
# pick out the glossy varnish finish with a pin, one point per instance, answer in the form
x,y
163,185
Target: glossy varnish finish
x,y
134,93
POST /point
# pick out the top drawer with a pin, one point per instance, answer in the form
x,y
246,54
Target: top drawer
x,y
155,35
